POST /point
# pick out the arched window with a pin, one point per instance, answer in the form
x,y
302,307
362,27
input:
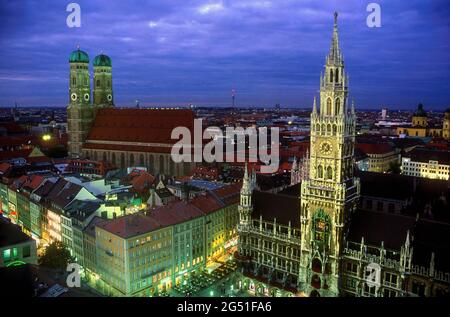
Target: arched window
x,y
113,158
317,127
316,265
323,129
171,167
319,171
329,172
152,164
109,83
97,84
328,107
122,160
329,128
131,160
141,160
331,75
161,164
337,105
104,156
334,129
337,76
74,81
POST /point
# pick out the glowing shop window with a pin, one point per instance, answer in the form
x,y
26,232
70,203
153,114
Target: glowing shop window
x,y
6,254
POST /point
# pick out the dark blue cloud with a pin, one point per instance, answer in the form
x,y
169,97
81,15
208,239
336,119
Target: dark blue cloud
x,y
174,52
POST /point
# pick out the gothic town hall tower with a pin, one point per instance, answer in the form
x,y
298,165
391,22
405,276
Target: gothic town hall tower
x,y
330,195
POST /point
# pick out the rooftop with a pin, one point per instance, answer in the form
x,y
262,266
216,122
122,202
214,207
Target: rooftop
x,y
11,234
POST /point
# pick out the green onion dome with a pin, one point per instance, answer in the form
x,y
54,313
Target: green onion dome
x,y
102,60
79,56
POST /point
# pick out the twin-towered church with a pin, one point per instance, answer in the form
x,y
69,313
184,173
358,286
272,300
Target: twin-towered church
x,y
122,136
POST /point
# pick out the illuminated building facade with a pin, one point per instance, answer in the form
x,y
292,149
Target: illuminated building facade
x,y
422,162
420,126
146,253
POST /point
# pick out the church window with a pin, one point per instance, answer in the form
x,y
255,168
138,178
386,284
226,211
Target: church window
x,y
331,75
161,164
329,172
320,171
334,129
74,81
122,160
329,128
131,159
152,163
109,83
141,160
323,129
328,107
97,84
337,76
317,127
337,106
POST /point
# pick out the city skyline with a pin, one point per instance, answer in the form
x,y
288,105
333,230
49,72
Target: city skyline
x,y
158,53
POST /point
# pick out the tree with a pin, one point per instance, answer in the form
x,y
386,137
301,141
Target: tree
x,y
394,168
56,256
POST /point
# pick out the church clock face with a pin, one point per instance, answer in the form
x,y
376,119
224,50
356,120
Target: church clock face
x,y
73,97
325,148
86,97
109,97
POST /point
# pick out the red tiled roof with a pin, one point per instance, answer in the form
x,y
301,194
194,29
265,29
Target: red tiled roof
x,y
139,125
12,127
15,140
130,225
8,155
175,212
4,167
375,148
206,203
140,180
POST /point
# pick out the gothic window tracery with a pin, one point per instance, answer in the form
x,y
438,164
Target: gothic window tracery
x,y
329,172
328,107
320,171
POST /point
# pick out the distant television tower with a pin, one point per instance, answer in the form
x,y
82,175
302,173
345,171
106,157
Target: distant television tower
x,y
233,98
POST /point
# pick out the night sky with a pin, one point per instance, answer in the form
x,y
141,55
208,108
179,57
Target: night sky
x,y
172,53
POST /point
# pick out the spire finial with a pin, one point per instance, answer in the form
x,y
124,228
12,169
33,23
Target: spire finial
x,y
314,105
78,46
335,55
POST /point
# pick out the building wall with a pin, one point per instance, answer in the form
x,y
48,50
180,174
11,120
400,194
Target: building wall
x,y
22,252
188,248
156,163
380,162
432,169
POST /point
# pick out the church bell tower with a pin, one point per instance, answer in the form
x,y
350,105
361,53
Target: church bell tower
x,y
331,193
79,111
103,91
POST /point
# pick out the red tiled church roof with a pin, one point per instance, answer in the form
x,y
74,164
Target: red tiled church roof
x,y
139,125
